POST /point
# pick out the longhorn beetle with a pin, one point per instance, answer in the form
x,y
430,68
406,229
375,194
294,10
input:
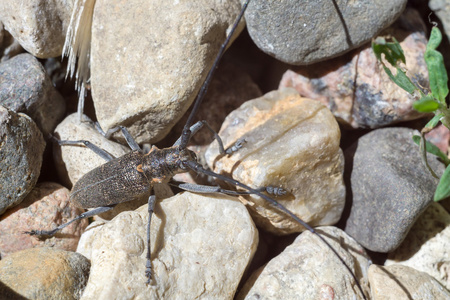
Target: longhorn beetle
x,y
133,175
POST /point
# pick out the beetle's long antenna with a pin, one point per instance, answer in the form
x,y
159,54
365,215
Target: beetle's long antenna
x,y
185,136
199,169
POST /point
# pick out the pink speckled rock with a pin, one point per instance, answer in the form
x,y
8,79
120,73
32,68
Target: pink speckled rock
x,y
45,207
356,88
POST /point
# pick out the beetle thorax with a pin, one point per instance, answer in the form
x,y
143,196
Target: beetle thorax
x,y
160,165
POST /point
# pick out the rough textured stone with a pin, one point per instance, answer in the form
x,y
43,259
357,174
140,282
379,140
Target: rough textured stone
x,y
402,282
40,26
21,150
45,207
150,63
43,273
356,88
316,30
309,268
390,186
25,87
291,142
200,249
426,248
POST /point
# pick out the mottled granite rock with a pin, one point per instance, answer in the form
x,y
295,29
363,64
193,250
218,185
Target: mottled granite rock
x,y
356,88
45,207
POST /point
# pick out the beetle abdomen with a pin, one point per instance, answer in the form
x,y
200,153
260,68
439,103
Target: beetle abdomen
x,y
115,182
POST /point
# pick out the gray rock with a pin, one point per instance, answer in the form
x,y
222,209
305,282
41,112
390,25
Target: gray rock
x,y
309,268
390,186
21,150
293,143
43,273
148,64
310,31
25,87
39,25
200,248
426,248
357,89
45,207
402,282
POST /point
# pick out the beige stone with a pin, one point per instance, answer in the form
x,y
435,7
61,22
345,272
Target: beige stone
x,y
293,143
426,248
39,25
200,245
149,58
309,268
401,282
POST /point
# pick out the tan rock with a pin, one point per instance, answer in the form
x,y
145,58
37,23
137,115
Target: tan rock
x,y
40,26
201,246
148,64
426,248
291,142
402,282
43,273
309,268
45,207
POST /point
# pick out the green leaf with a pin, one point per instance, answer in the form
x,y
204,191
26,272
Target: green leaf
x,y
433,149
426,104
434,121
436,68
401,80
435,39
392,51
443,188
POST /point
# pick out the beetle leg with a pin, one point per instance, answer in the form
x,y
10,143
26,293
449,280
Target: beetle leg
x,y
194,129
148,265
87,214
130,140
205,189
99,151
